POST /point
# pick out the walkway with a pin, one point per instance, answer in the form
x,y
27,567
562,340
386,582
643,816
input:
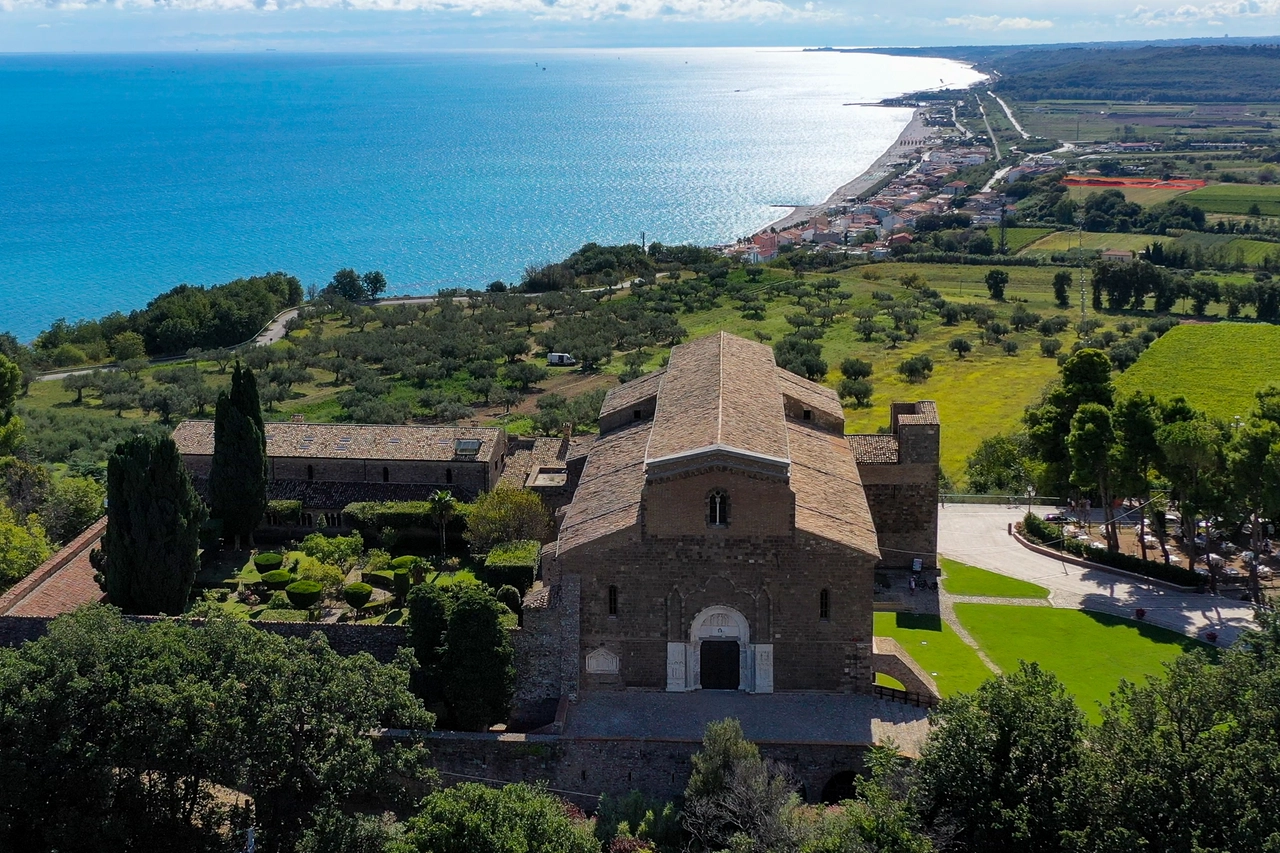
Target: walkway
x,y
1008,112
978,535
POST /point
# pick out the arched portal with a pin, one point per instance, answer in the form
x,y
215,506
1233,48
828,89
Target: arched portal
x,y
719,655
840,787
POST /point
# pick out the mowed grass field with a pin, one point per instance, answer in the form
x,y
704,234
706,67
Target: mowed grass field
x,y
1236,198
1088,652
1217,367
954,666
962,579
1016,238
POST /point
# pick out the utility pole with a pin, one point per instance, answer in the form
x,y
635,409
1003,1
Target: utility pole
x,y
1082,294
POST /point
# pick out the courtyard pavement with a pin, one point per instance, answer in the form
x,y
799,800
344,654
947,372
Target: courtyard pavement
x,y
978,535
766,718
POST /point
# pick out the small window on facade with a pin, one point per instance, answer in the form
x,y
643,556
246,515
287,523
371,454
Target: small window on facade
x,y
311,472
824,604
718,508
386,475
639,415
613,601
448,475
808,414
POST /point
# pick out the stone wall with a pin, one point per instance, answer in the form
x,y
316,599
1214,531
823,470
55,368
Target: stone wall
x,y
775,582
890,658
584,768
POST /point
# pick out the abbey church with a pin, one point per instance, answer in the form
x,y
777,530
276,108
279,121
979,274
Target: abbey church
x,y
725,533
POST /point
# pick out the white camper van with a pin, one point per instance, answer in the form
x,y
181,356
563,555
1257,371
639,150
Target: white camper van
x,y
561,359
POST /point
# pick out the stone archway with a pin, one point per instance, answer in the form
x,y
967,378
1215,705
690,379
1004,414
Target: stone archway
x,y
725,632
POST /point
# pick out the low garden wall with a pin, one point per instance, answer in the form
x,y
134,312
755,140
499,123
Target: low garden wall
x,y
1031,544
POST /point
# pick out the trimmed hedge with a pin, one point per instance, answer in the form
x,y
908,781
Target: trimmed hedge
x,y
509,596
407,562
267,562
400,583
1043,533
279,579
357,594
286,510
304,594
512,564
397,515
381,578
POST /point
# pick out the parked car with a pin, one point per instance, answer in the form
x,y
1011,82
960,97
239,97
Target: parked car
x,y
561,359
1057,518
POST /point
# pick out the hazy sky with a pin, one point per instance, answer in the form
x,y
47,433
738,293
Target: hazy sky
x,y
133,25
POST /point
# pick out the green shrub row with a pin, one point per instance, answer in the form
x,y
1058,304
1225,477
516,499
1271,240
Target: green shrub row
x,y
286,510
397,515
511,564
1042,532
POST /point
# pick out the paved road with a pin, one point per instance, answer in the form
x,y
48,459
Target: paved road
x,y
1008,112
995,143
978,535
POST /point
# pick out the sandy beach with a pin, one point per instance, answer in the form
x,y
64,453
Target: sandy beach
x,y
906,143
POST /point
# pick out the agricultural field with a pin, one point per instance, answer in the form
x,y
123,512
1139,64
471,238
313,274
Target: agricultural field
x,y
1145,196
1016,238
1217,367
1065,241
1236,198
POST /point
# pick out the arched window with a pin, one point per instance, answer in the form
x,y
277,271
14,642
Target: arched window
x,y
824,605
448,475
386,474
311,472
718,508
613,601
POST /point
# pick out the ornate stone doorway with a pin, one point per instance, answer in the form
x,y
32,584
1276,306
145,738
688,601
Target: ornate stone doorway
x,y
720,665
719,655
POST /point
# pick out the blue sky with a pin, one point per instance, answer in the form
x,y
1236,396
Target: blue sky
x,y
145,25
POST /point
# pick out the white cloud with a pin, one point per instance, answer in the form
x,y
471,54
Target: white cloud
x,y
995,22
1209,13
703,10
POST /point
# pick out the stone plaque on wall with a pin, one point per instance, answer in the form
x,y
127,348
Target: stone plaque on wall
x,y
764,667
677,680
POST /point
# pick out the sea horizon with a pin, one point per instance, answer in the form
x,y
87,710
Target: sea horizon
x,y
132,173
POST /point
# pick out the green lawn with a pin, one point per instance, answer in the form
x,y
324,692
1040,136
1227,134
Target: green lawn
x,y
1065,241
954,666
962,579
1088,652
1236,198
1217,367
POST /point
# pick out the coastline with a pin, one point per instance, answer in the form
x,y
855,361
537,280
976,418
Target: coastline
x,y
872,175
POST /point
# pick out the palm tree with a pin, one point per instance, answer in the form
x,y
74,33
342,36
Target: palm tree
x,y
444,506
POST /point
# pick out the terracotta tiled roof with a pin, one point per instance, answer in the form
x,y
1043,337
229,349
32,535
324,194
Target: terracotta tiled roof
x,y
608,496
628,394
874,449
830,502
926,413
60,584
349,441
719,391
811,394
524,454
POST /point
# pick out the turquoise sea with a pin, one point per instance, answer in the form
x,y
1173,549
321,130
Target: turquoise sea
x,y
124,175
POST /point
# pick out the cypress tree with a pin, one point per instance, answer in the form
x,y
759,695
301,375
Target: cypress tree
x,y
150,550
238,472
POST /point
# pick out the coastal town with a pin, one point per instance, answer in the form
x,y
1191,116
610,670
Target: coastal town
x,y
919,176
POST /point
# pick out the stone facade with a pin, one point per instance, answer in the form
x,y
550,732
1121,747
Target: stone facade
x,y
719,536
328,466
900,477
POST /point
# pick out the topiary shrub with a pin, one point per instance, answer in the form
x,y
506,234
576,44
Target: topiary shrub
x,y
509,596
383,579
279,579
408,561
513,564
357,594
400,584
304,594
267,562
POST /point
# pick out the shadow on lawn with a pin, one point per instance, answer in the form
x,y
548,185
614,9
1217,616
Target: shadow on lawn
x,y
918,621
1148,631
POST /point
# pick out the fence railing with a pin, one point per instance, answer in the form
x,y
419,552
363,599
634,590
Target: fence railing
x,y
906,697
1002,500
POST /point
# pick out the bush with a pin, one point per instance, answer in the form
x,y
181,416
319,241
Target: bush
x,y
1042,532
376,516
304,594
278,579
266,563
512,564
381,578
400,583
408,562
290,511
357,594
510,597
